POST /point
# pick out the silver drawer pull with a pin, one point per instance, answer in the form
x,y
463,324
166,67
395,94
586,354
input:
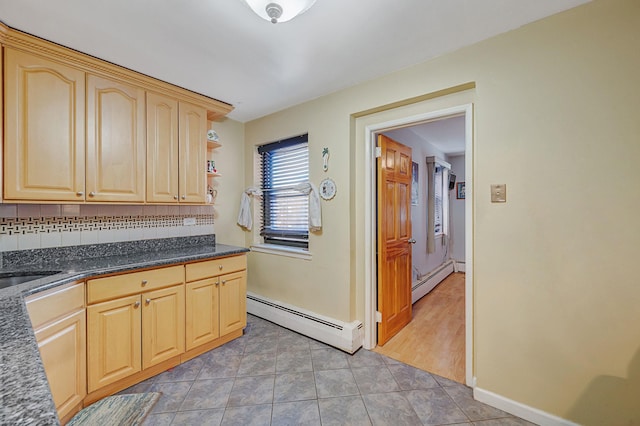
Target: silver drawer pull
x,y
135,305
92,194
79,193
220,267
144,282
147,301
224,282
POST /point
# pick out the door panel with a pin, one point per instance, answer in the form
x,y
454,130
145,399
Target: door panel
x,y
113,341
202,301
193,153
115,141
162,149
394,232
162,325
44,106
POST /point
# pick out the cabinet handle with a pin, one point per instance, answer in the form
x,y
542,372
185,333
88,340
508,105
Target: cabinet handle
x,y
147,301
175,197
135,305
79,193
217,283
224,282
144,282
220,267
184,197
92,194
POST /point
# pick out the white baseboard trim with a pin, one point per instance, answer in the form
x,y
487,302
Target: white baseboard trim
x,y
428,283
459,266
523,411
347,336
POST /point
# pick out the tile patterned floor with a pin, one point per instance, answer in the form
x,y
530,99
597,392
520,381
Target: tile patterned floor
x,y
273,376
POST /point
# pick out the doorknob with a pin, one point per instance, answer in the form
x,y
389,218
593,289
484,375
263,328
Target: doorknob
x,y
412,241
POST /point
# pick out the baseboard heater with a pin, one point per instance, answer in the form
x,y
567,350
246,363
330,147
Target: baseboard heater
x,y
428,283
347,336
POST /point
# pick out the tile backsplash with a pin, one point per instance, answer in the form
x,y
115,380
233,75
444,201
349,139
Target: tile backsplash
x,y
31,226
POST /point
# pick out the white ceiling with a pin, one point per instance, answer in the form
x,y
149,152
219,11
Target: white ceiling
x,y
221,49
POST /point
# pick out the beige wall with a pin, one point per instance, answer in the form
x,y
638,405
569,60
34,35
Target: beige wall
x,y
229,159
556,119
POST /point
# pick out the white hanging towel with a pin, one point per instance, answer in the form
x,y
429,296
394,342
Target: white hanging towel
x,y
244,216
315,212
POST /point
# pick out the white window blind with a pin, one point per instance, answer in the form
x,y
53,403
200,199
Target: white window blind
x,y
285,211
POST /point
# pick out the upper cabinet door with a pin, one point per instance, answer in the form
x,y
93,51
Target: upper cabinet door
x,y
44,129
162,149
193,151
115,141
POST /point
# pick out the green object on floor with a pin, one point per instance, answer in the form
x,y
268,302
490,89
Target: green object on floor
x,y
130,409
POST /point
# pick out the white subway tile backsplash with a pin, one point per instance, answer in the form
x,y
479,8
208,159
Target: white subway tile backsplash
x,y
89,237
28,210
70,210
50,239
28,241
72,238
65,225
9,243
88,210
8,210
50,210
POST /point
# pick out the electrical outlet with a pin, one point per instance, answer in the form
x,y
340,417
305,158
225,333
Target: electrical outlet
x,y
189,221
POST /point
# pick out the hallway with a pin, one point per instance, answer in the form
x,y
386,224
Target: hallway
x,y
434,340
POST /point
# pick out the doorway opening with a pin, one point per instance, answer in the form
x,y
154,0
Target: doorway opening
x,y
417,123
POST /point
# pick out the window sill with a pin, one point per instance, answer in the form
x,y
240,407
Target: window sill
x,y
281,251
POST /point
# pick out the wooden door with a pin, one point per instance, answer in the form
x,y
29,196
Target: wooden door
x,y
44,129
202,312
162,149
394,233
162,325
193,153
115,141
63,352
233,302
113,341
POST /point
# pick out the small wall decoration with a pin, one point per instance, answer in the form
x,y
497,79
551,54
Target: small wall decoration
x,y
327,189
414,183
325,159
460,191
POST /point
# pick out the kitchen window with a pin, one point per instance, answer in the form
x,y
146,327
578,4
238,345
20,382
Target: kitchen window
x,y
285,211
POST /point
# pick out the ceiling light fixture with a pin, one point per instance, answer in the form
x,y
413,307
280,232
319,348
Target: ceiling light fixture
x,y
279,10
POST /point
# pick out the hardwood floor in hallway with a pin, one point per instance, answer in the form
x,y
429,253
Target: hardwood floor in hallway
x,y
435,338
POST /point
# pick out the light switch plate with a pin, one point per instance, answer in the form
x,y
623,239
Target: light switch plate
x,y
499,193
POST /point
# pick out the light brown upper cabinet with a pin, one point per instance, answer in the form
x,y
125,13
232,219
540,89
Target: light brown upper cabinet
x,y
176,151
193,153
44,129
115,141
76,130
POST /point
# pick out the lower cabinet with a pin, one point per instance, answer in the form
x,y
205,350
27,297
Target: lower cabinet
x,y
58,318
216,299
129,334
132,326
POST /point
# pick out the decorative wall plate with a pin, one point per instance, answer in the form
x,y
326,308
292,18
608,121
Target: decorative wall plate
x,y
327,189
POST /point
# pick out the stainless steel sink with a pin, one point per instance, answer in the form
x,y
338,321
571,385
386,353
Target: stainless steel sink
x,y
8,279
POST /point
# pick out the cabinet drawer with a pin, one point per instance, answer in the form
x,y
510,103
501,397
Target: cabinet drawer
x,y
212,268
108,288
55,303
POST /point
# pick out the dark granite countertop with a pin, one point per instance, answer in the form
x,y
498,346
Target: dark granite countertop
x,y
25,397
